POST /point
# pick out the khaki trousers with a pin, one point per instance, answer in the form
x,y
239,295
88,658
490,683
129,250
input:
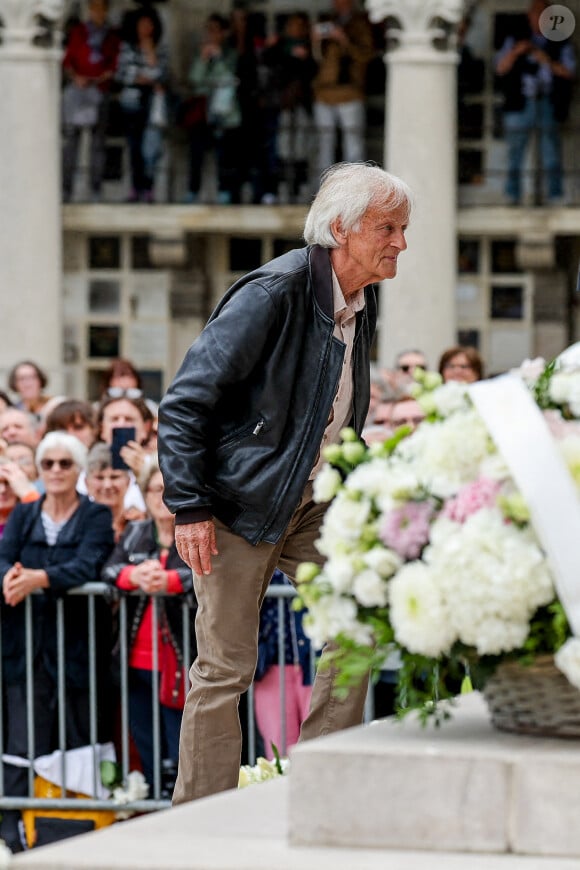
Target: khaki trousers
x,y
227,622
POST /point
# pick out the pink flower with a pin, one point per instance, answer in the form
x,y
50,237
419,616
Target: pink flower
x,y
406,529
558,426
482,493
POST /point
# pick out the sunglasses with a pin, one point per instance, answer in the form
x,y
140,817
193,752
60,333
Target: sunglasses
x,y
120,393
408,368
65,464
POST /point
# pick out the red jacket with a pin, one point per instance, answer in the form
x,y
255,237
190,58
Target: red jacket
x,y
77,58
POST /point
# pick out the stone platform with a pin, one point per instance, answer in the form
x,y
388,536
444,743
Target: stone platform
x,y
463,787
382,797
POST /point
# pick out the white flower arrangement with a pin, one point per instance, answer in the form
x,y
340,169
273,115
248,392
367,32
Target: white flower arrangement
x,y
262,771
123,792
430,551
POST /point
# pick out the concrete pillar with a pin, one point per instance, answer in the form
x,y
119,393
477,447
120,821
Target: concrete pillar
x,y
418,306
30,222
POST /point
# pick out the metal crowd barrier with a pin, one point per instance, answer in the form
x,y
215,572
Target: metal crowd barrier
x,y
155,801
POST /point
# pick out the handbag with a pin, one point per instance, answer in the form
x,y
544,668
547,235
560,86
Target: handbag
x,y
80,106
171,683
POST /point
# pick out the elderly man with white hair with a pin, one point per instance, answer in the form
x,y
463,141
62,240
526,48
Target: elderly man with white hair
x,y
280,368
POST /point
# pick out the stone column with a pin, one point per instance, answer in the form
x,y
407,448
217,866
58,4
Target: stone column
x,y
418,306
30,221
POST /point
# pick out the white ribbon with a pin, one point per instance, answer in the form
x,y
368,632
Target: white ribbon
x,y
521,435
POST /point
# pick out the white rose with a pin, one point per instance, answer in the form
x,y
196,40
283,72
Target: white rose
x,y
339,572
326,484
382,560
370,589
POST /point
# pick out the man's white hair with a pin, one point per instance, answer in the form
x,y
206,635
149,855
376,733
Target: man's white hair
x,y
346,192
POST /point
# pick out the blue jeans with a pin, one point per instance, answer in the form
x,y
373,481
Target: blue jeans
x,y
141,722
536,115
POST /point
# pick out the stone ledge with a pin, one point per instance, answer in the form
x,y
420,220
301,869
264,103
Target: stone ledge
x,y
244,830
462,788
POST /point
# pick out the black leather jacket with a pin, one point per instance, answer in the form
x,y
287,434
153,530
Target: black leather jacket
x,y
241,425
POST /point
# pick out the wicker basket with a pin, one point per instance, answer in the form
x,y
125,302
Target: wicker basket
x,y
535,700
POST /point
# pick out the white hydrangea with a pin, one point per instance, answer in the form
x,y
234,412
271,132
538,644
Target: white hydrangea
x,y
330,616
326,484
569,359
447,454
368,477
567,659
370,589
565,390
446,399
343,524
418,613
339,571
493,576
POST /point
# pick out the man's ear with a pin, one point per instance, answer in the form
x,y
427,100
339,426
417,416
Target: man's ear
x,y
338,232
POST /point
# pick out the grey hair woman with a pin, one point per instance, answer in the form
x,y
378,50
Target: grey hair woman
x,y
64,442
53,544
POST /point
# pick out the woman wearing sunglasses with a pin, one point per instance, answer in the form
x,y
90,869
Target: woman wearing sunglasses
x,y
52,545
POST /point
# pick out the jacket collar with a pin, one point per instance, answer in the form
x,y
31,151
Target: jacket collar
x,y
322,279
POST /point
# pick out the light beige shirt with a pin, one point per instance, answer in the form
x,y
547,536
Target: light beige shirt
x,y
344,329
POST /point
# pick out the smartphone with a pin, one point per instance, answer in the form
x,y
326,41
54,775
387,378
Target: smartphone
x,y
121,435
324,28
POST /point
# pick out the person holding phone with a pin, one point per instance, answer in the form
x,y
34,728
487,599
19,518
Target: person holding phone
x,y
123,424
343,46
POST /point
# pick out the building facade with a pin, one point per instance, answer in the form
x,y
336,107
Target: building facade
x,y
85,282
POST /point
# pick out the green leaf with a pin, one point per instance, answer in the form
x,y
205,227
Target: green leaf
x,y
111,774
277,761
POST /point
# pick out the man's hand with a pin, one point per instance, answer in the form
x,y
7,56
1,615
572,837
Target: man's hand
x,y
196,544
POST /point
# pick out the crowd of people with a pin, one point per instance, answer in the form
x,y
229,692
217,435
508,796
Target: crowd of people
x,y
275,109
268,106
70,513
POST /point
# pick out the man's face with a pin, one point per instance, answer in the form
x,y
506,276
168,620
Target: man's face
x,y
24,457
407,413
408,362
15,426
382,415
370,253
122,413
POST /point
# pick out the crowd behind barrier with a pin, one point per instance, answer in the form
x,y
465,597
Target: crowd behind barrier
x,y
114,683
97,610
